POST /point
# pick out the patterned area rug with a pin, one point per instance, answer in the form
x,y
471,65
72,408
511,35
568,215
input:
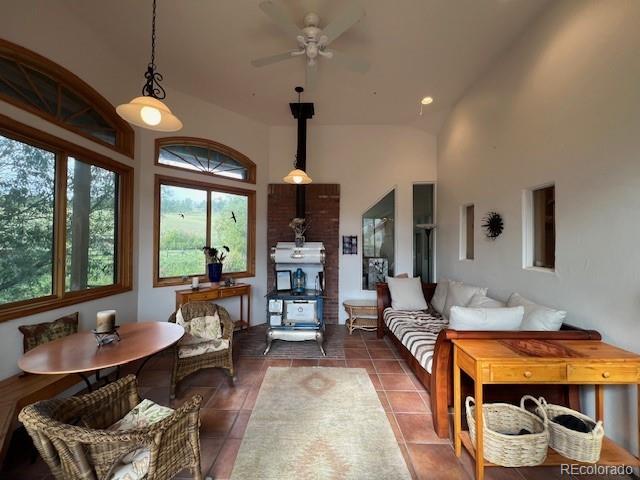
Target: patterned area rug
x,y
317,423
252,343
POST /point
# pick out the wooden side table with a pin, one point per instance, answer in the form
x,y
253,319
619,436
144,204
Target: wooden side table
x,y
541,362
363,315
210,294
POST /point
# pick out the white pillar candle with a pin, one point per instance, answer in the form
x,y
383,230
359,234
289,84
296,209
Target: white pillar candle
x,y
195,282
105,321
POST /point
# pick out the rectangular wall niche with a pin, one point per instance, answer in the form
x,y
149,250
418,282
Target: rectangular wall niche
x,y
539,227
467,232
323,216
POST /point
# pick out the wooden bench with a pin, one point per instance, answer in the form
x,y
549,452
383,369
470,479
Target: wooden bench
x,y
21,390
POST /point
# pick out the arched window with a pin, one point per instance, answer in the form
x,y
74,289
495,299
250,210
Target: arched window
x,y
204,156
40,86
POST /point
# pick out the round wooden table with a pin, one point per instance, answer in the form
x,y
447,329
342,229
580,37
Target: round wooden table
x,y
79,353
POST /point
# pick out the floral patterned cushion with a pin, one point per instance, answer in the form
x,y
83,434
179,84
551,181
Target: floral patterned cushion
x,y
206,326
135,465
40,333
192,346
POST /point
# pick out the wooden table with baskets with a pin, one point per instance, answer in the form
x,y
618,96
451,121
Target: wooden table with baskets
x,y
538,362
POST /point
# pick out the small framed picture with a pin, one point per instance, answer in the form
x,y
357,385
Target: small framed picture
x,y
283,280
349,245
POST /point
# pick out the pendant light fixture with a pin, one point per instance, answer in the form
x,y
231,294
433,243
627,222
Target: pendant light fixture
x,y
297,176
149,111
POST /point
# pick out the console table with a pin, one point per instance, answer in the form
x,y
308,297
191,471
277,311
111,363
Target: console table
x,y
580,362
210,294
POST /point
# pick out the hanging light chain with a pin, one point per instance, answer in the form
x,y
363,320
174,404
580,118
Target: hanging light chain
x,y
153,35
152,87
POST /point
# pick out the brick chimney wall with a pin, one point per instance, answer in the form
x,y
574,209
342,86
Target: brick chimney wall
x,y
323,216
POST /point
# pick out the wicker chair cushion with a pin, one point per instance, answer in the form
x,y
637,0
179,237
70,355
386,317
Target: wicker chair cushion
x,y
40,333
135,465
192,346
206,326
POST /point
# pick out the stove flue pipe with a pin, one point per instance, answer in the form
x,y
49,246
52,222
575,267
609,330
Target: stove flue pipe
x,y
301,112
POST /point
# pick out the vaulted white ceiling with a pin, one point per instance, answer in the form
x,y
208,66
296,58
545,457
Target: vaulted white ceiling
x,y
415,48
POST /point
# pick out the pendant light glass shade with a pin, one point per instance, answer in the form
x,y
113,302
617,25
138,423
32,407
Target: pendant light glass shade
x,y
149,113
297,177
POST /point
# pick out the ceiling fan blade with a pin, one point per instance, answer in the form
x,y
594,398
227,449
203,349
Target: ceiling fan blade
x,y
261,62
311,74
349,17
278,15
356,64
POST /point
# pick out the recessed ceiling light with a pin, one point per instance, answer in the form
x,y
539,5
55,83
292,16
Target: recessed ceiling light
x,y
426,100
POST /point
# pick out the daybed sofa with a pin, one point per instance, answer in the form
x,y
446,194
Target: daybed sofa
x,y
434,367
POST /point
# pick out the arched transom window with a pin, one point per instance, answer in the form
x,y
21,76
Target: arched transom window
x,y
40,86
204,156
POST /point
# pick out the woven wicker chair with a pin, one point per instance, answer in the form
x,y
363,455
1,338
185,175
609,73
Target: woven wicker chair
x,y
219,359
85,450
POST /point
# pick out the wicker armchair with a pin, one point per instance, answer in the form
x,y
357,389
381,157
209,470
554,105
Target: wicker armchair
x,y
183,366
71,434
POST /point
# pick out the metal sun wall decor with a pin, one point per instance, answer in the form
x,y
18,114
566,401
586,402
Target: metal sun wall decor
x,y
493,225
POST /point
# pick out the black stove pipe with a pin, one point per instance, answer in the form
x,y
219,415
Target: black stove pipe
x,y
301,112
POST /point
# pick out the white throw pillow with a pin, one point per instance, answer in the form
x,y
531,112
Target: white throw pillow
x,y
406,294
440,295
482,301
460,295
463,318
537,317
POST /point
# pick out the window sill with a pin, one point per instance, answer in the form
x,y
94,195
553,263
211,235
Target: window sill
x,y
176,281
551,271
31,307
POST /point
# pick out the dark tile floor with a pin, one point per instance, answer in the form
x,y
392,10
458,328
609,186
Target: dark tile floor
x,y
226,409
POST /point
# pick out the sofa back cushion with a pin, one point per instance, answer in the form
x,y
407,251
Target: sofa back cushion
x,y
406,294
459,295
440,295
464,318
537,317
482,301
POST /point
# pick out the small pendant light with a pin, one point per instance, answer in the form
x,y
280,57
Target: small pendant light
x,y
148,111
297,176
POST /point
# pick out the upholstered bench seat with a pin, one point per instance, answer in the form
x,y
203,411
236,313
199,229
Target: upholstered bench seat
x,y
417,330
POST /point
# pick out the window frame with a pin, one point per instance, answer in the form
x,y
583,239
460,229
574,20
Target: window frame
x,y
161,180
124,252
213,145
125,136
528,230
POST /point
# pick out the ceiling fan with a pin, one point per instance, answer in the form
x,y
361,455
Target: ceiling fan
x,y
313,41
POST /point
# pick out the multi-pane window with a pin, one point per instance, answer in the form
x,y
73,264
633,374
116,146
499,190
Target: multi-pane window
x,y
40,86
190,215
64,214
204,156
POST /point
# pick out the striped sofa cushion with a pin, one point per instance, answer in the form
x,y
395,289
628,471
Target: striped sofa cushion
x,y
417,331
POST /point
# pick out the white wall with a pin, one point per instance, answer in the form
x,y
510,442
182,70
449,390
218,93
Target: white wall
x,y
367,161
561,106
251,138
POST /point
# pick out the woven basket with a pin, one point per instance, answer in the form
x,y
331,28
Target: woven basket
x,y
579,446
510,450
